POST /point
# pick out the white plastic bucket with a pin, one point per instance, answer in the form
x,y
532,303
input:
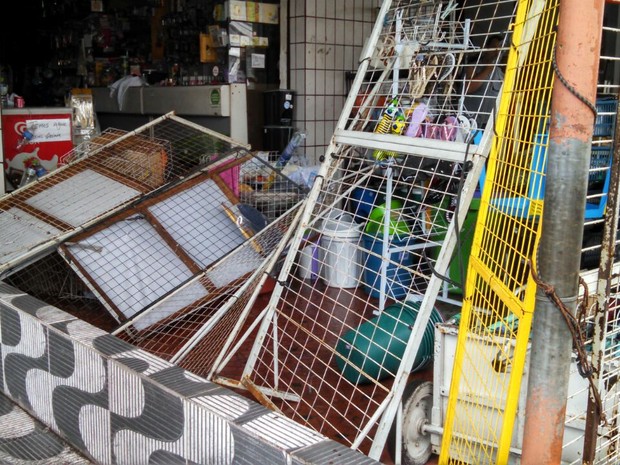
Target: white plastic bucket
x,y
339,251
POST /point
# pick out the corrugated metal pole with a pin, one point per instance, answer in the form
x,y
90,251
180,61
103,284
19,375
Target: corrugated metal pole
x,y
570,137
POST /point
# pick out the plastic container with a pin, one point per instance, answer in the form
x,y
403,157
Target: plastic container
x,y
376,347
438,224
363,200
398,277
339,252
605,117
292,145
308,262
461,257
396,224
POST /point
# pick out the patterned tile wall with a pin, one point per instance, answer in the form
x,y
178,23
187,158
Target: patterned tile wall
x,y
326,40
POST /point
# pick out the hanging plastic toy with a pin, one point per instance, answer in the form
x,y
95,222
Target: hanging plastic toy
x,y
392,122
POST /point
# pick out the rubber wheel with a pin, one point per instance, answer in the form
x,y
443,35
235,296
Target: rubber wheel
x,y
417,404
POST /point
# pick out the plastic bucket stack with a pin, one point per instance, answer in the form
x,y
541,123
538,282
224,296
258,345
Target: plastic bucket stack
x,y
339,252
398,259
374,350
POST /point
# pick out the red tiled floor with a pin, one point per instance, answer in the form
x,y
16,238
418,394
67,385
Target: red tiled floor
x,y
344,430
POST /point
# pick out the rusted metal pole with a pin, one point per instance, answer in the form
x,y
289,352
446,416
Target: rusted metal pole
x,y
603,288
570,137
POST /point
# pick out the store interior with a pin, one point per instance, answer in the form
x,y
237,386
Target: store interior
x,y
153,248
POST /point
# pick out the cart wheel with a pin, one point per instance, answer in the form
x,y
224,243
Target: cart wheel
x,y
417,404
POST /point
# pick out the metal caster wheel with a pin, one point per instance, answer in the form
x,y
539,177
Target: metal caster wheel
x,y
415,443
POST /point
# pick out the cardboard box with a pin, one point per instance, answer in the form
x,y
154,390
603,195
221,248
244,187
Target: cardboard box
x,y
268,13
236,10
254,12
208,51
251,11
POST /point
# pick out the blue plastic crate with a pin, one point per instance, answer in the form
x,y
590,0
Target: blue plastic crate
x,y
600,162
605,117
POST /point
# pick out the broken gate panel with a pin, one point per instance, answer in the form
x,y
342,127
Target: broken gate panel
x,y
154,248
164,250
100,177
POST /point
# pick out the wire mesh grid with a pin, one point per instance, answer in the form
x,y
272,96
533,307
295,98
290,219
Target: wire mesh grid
x,y
602,305
194,324
599,181
502,321
608,435
159,266
114,174
321,345
602,146
266,188
332,342
333,346
439,65
578,424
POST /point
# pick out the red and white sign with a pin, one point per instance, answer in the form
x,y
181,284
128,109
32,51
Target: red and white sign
x,y
43,133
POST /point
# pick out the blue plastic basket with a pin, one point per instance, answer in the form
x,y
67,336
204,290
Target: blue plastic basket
x,y
605,116
600,163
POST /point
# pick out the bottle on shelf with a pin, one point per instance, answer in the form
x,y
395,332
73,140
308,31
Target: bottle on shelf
x,y
30,175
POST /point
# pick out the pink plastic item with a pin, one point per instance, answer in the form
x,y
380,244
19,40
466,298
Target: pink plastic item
x,y
418,115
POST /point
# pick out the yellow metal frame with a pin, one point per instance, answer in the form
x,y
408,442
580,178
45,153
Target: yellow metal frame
x,y
500,293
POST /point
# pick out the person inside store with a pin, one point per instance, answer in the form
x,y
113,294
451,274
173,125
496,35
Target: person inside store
x,y
483,81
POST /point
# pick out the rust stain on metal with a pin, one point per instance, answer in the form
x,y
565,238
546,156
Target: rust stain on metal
x,y
229,382
258,394
581,130
544,452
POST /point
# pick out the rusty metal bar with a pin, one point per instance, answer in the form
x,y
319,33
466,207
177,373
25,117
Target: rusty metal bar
x,y
608,247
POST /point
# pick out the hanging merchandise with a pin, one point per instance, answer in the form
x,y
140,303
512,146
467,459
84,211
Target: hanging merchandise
x,y
392,122
417,116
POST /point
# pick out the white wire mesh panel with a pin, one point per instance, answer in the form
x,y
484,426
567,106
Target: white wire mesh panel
x,y
143,256
338,339
608,435
601,313
441,61
73,203
163,262
340,328
370,255
119,169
